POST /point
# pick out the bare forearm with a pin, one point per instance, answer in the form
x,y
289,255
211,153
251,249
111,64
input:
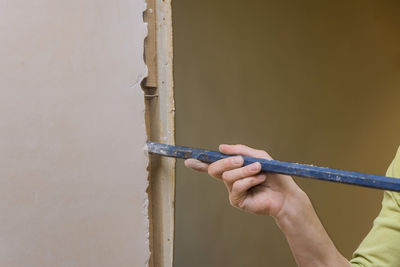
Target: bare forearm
x,y
307,238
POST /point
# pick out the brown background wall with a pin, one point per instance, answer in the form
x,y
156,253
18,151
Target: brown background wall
x,y
309,81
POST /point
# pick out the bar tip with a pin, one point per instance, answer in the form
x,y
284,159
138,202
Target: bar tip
x,y
146,149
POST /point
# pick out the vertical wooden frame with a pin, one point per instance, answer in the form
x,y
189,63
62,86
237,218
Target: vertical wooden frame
x,y
160,115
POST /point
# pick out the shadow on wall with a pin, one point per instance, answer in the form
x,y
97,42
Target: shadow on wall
x,y
314,82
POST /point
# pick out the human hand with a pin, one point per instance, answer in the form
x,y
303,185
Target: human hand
x,y
276,195
249,189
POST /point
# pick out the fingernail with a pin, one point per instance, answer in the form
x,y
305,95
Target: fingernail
x,y
237,160
255,167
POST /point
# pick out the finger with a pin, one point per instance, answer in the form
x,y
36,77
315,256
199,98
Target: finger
x,y
232,176
240,188
243,150
196,165
217,168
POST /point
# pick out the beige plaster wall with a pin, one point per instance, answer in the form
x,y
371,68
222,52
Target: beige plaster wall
x,y
72,167
309,81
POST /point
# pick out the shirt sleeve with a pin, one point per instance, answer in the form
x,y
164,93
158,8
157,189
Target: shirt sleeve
x,y
381,247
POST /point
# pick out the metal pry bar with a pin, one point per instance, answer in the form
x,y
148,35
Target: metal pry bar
x,y
289,168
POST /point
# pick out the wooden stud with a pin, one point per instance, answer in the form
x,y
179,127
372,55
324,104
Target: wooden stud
x,y
150,44
160,126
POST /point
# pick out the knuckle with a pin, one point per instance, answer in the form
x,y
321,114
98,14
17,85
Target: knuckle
x,y
236,148
253,181
245,172
241,147
263,154
260,176
252,169
236,187
226,163
248,170
226,176
212,170
240,205
232,201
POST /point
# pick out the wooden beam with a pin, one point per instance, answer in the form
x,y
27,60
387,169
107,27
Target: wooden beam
x,y
160,124
150,44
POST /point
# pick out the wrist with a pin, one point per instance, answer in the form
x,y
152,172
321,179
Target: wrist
x,y
296,210
307,238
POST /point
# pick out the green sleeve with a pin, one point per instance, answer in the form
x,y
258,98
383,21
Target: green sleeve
x,y
381,247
